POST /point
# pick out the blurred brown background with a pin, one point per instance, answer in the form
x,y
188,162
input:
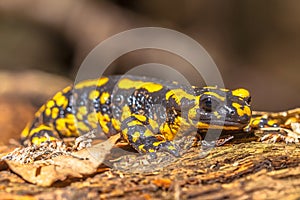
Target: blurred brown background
x,y
255,44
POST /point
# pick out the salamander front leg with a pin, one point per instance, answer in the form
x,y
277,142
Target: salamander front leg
x,y
269,131
141,134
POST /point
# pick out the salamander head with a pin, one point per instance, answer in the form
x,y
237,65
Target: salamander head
x,y
221,108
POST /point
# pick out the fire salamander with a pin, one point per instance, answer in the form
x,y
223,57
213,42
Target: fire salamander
x,y
147,112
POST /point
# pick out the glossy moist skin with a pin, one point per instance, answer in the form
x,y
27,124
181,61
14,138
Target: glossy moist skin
x,y
148,112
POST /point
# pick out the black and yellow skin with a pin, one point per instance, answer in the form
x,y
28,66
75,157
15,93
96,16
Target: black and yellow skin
x,y
148,113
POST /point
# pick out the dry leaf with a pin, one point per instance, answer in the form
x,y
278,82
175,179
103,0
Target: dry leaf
x,y
77,165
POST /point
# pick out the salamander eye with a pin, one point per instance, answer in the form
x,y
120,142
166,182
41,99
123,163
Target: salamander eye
x,y
209,104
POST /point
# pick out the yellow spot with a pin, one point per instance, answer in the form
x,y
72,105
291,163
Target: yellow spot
x,y
92,118
241,92
125,112
157,143
103,119
168,132
72,127
202,125
39,112
48,111
141,118
89,83
116,124
104,126
25,131
148,133
153,124
178,94
82,110
55,112
151,150
255,122
82,126
39,140
79,116
36,140
94,94
102,81
272,122
134,123
66,102
127,84
57,95
61,123
171,147
104,97
141,147
62,128
193,113
211,87
70,117
106,117
67,89
135,136
245,111
65,131
177,120
61,101
169,94
215,95
50,104
217,114
93,125
237,106
40,128
224,89
124,134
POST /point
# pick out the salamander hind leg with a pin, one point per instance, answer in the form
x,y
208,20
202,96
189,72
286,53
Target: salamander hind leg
x,y
38,135
141,133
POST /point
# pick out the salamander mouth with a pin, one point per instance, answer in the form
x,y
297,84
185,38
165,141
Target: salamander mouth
x,y
219,124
